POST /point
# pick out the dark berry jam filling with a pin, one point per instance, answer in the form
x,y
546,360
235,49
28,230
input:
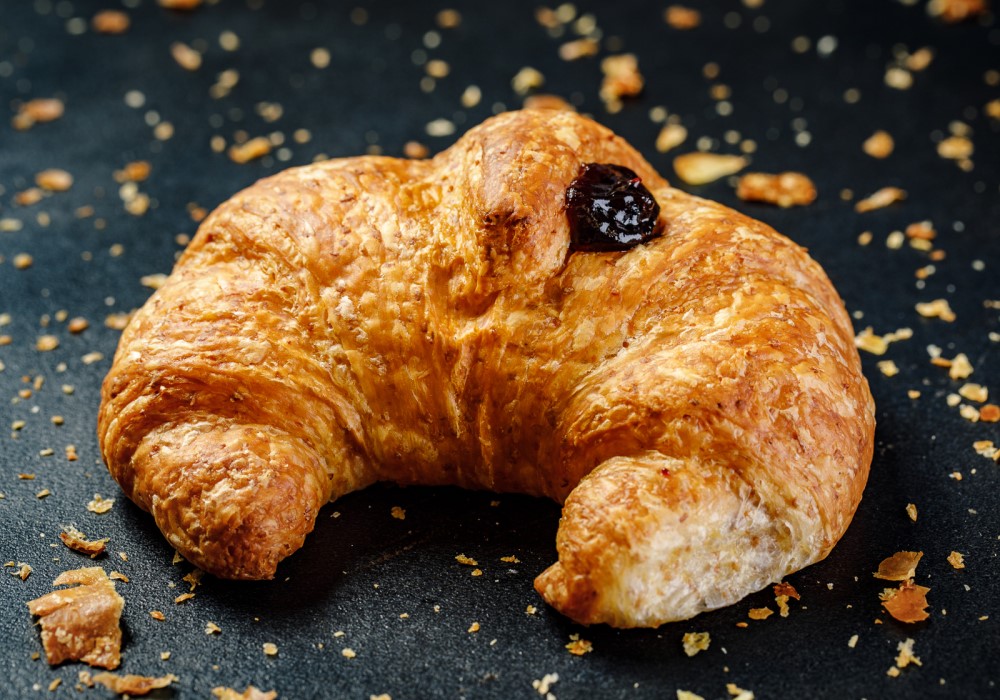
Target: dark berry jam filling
x,y
609,209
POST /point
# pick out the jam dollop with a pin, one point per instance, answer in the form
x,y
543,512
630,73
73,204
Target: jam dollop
x,y
609,209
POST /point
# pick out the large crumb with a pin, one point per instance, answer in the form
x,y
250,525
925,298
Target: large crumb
x,y
81,623
908,603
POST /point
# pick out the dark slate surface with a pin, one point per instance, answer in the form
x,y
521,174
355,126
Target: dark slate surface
x,y
361,571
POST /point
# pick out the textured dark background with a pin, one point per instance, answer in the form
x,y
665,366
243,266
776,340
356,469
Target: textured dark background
x,y
359,572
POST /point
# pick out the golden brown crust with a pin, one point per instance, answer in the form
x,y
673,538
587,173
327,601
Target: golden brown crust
x,y
373,319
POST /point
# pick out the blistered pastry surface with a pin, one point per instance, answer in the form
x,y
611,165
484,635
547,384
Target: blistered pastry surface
x,y
696,401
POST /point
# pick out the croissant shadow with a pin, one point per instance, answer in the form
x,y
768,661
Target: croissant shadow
x,y
358,543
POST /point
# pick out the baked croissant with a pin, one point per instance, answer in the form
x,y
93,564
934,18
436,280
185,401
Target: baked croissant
x,y
694,398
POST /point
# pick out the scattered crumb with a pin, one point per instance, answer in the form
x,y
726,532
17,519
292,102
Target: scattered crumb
x,y
46,343
694,642
110,22
398,513
908,603
38,111
474,627
911,510
760,613
990,413
899,567
270,649
21,570
467,561
879,144
100,504
888,368
526,80
251,150
415,149
868,341
348,653
544,685
212,628
77,541
680,17
186,57
621,79
853,641
128,684
670,136
939,308
973,392
785,189
688,695
701,168
579,647
739,693
957,560
578,48
882,198
54,180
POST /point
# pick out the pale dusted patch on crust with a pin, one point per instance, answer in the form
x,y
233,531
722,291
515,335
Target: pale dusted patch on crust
x,y
426,322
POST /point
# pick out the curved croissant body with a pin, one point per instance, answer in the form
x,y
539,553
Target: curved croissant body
x,y
696,402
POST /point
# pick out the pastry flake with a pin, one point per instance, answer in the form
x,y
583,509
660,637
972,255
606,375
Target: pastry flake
x,y
81,623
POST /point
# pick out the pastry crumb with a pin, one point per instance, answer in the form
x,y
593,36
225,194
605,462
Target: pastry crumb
x,y
787,189
77,541
694,642
908,603
899,567
879,145
251,693
81,623
880,199
100,504
128,684
701,168
544,685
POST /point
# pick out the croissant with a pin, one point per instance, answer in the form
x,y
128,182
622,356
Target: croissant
x,y
693,396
